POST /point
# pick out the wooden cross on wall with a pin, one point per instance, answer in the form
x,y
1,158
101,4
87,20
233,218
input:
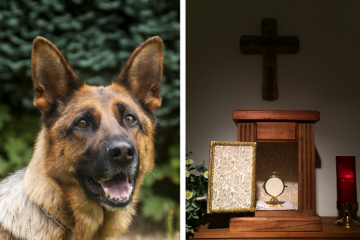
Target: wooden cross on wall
x,y
269,44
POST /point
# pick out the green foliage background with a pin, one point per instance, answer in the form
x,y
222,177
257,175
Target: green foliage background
x,y
96,37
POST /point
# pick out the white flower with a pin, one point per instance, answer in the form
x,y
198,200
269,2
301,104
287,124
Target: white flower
x,y
206,174
189,162
200,198
187,173
189,195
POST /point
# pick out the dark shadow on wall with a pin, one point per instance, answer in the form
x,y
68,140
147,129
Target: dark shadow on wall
x,y
317,159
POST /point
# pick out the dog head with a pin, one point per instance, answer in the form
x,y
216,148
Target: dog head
x,y
99,140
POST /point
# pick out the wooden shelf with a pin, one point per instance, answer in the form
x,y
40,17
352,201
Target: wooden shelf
x,y
329,231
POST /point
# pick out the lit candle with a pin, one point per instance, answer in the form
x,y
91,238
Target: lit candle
x,y
346,179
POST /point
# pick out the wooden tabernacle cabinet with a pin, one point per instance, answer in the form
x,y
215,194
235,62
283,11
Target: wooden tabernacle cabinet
x,y
283,126
304,223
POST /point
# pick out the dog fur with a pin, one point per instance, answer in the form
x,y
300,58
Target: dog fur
x,y
88,133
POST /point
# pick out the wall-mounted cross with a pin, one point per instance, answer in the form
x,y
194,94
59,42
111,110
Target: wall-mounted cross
x,y
269,44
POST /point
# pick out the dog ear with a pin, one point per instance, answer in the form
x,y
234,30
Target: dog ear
x,y
52,76
143,72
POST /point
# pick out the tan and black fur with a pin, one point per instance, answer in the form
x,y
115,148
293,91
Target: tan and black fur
x,y
92,139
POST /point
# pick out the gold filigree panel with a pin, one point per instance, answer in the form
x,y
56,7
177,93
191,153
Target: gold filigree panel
x,y
283,159
232,177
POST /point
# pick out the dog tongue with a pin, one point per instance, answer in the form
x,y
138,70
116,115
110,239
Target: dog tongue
x,y
118,186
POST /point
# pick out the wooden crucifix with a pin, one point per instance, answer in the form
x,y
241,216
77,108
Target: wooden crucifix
x,y
269,44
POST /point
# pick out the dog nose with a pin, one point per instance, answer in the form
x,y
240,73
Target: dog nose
x,y
121,151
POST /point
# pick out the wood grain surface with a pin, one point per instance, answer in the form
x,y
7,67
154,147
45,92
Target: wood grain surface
x,y
276,131
329,231
306,161
275,224
275,115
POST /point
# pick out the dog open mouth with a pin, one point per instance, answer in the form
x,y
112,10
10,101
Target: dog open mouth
x,y
115,192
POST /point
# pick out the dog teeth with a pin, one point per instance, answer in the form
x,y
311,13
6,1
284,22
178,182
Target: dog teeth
x,y
106,192
123,198
118,199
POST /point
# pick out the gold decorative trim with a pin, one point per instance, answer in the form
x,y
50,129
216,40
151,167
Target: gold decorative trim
x,y
274,176
213,144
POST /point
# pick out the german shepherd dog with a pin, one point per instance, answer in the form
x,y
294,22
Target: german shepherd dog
x,y
90,157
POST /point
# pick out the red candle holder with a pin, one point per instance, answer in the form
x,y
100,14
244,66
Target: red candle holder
x,y
346,190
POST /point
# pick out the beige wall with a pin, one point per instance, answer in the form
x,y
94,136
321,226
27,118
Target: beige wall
x,y
323,76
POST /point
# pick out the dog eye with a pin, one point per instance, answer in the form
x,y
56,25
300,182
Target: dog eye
x,y
130,119
82,123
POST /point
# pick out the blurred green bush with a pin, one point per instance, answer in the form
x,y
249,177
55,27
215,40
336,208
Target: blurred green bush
x,y
96,37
